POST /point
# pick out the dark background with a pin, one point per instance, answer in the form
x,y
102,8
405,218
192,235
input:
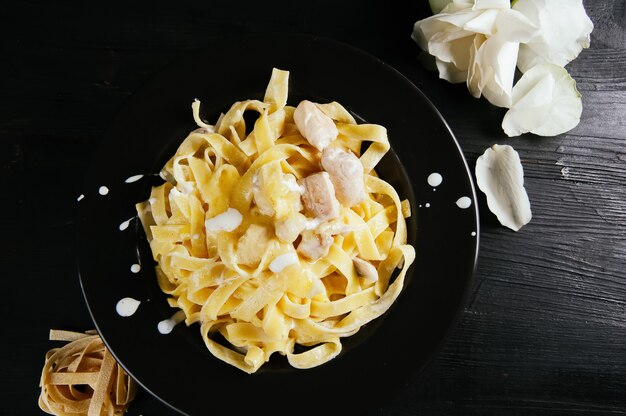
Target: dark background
x,y
544,332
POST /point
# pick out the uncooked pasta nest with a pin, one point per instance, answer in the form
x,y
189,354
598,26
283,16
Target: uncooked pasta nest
x,y
278,237
83,378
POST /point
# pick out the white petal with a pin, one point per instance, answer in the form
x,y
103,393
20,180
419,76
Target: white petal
x,y
455,51
474,72
515,27
496,59
565,31
450,73
500,175
545,102
491,4
484,23
437,5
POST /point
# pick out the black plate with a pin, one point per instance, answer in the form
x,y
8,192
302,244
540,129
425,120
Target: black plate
x,y
381,358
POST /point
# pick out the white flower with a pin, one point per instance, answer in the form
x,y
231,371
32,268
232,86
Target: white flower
x,y
500,175
564,30
545,102
476,41
437,5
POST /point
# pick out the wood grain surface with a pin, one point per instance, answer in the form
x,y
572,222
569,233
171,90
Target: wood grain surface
x,y
544,332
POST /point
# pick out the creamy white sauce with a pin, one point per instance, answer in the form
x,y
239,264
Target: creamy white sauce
x,y
167,325
80,197
290,182
435,179
312,224
135,268
125,224
280,262
127,306
133,178
226,221
103,190
187,187
464,202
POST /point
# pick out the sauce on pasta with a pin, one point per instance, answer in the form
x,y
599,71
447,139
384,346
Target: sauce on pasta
x,y
278,237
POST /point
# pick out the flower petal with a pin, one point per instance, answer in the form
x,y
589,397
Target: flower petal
x,y
496,59
515,27
437,5
491,4
545,102
484,23
500,175
450,72
565,30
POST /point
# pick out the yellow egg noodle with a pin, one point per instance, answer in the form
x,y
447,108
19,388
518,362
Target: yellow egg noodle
x,y
238,249
82,378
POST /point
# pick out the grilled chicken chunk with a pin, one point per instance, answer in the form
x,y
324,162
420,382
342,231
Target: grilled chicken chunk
x,y
314,125
314,246
346,174
319,196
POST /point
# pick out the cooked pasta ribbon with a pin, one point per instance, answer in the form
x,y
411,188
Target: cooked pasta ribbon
x,y
249,238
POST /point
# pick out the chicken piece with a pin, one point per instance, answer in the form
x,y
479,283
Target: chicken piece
x,y
314,125
289,229
314,246
319,196
252,245
346,174
365,269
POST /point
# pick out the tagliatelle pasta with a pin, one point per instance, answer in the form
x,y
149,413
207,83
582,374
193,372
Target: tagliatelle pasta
x,y
83,378
280,238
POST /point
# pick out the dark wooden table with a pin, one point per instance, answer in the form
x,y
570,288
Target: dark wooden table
x,y
544,332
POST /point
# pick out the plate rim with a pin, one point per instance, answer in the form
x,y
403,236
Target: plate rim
x,y
154,78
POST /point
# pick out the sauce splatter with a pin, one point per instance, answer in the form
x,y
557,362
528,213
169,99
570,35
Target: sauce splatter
x,y
167,325
133,178
127,306
435,179
464,202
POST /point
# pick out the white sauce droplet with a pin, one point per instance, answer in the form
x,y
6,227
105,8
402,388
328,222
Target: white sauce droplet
x,y
134,178
435,179
103,190
280,262
80,197
473,233
127,306
464,202
167,325
427,205
125,224
135,268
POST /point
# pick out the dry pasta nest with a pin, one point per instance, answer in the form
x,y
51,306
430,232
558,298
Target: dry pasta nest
x,y
83,378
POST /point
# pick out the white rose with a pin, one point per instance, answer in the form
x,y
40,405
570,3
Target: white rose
x,y
476,42
564,30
